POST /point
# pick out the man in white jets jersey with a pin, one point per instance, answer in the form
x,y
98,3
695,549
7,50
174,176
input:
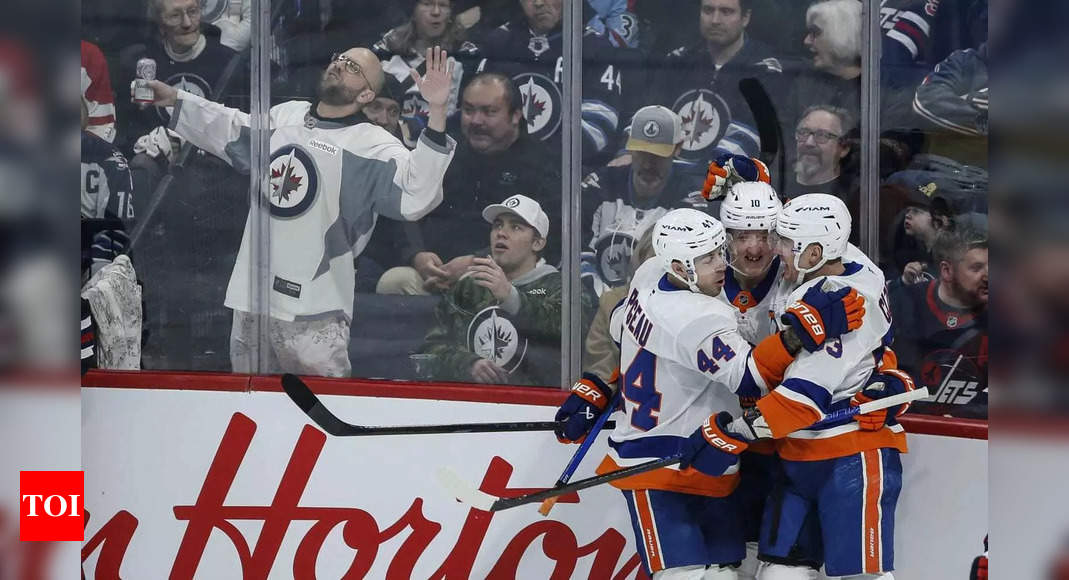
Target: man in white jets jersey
x,y
842,480
333,172
682,359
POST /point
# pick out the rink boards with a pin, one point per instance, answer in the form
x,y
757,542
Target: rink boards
x,y
221,476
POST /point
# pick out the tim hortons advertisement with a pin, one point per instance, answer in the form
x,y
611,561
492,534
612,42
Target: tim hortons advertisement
x,y
208,484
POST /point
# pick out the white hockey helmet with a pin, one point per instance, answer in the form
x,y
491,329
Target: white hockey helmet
x,y
750,205
682,235
815,218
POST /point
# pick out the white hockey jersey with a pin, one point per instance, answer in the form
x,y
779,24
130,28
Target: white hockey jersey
x,y
329,182
753,308
682,359
820,382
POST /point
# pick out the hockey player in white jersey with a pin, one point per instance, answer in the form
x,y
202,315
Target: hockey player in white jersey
x,y
842,480
333,172
682,359
748,212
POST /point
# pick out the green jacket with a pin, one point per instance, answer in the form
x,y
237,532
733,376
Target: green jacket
x,y
520,335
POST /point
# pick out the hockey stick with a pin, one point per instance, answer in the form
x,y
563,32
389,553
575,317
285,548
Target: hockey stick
x,y
768,127
580,453
479,499
299,392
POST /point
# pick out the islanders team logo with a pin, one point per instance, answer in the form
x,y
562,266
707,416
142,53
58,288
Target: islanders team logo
x,y
614,255
294,182
188,82
542,104
705,118
494,337
211,10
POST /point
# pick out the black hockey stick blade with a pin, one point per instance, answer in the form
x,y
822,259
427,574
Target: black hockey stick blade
x,y
308,402
768,127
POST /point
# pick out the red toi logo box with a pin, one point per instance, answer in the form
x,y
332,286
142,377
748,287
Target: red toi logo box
x,y
51,505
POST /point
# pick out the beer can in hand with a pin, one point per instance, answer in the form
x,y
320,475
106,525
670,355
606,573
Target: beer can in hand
x,y
146,71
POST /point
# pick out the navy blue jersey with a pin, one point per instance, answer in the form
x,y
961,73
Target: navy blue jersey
x,y
536,63
107,206
708,99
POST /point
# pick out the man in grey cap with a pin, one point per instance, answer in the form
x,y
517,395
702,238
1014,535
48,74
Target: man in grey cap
x,y
620,203
500,323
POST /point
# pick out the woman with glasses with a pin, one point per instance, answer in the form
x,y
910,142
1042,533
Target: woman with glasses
x,y
431,22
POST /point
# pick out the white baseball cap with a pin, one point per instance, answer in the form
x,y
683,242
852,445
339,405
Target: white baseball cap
x,y
523,206
655,129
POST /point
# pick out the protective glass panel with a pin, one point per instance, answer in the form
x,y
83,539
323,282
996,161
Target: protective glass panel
x,y
933,197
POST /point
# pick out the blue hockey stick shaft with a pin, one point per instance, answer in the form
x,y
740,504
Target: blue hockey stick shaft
x,y
580,453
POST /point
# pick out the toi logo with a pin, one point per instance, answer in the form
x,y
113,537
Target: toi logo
x,y
51,505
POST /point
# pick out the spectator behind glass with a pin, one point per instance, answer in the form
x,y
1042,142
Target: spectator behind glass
x,y
938,322
622,202
495,159
96,92
187,252
401,51
334,174
821,146
385,111
530,50
188,56
601,355
953,102
233,18
833,39
700,82
501,322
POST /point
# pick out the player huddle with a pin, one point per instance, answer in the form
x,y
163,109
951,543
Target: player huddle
x,y
736,339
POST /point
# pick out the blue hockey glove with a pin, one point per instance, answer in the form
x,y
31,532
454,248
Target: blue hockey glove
x,y
590,395
712,448
884,384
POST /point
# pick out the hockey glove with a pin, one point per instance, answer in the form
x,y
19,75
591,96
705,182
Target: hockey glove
x,y
820,316
713,448
884,384
590,395
726,170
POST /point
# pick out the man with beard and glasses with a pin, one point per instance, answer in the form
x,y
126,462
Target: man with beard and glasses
x,y
495,159
938,322
332,174
821,147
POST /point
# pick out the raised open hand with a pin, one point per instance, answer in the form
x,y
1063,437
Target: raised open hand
x,y
437,84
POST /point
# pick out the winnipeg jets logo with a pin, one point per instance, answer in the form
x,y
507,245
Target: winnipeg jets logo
x,y
294,182
541,104
211,10
493,337
614,255
705,119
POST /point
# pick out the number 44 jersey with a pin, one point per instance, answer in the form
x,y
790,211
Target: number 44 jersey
x,y
681,360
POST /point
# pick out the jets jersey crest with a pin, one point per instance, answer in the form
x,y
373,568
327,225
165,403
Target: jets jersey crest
x,y
541,104
494,337
294,181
